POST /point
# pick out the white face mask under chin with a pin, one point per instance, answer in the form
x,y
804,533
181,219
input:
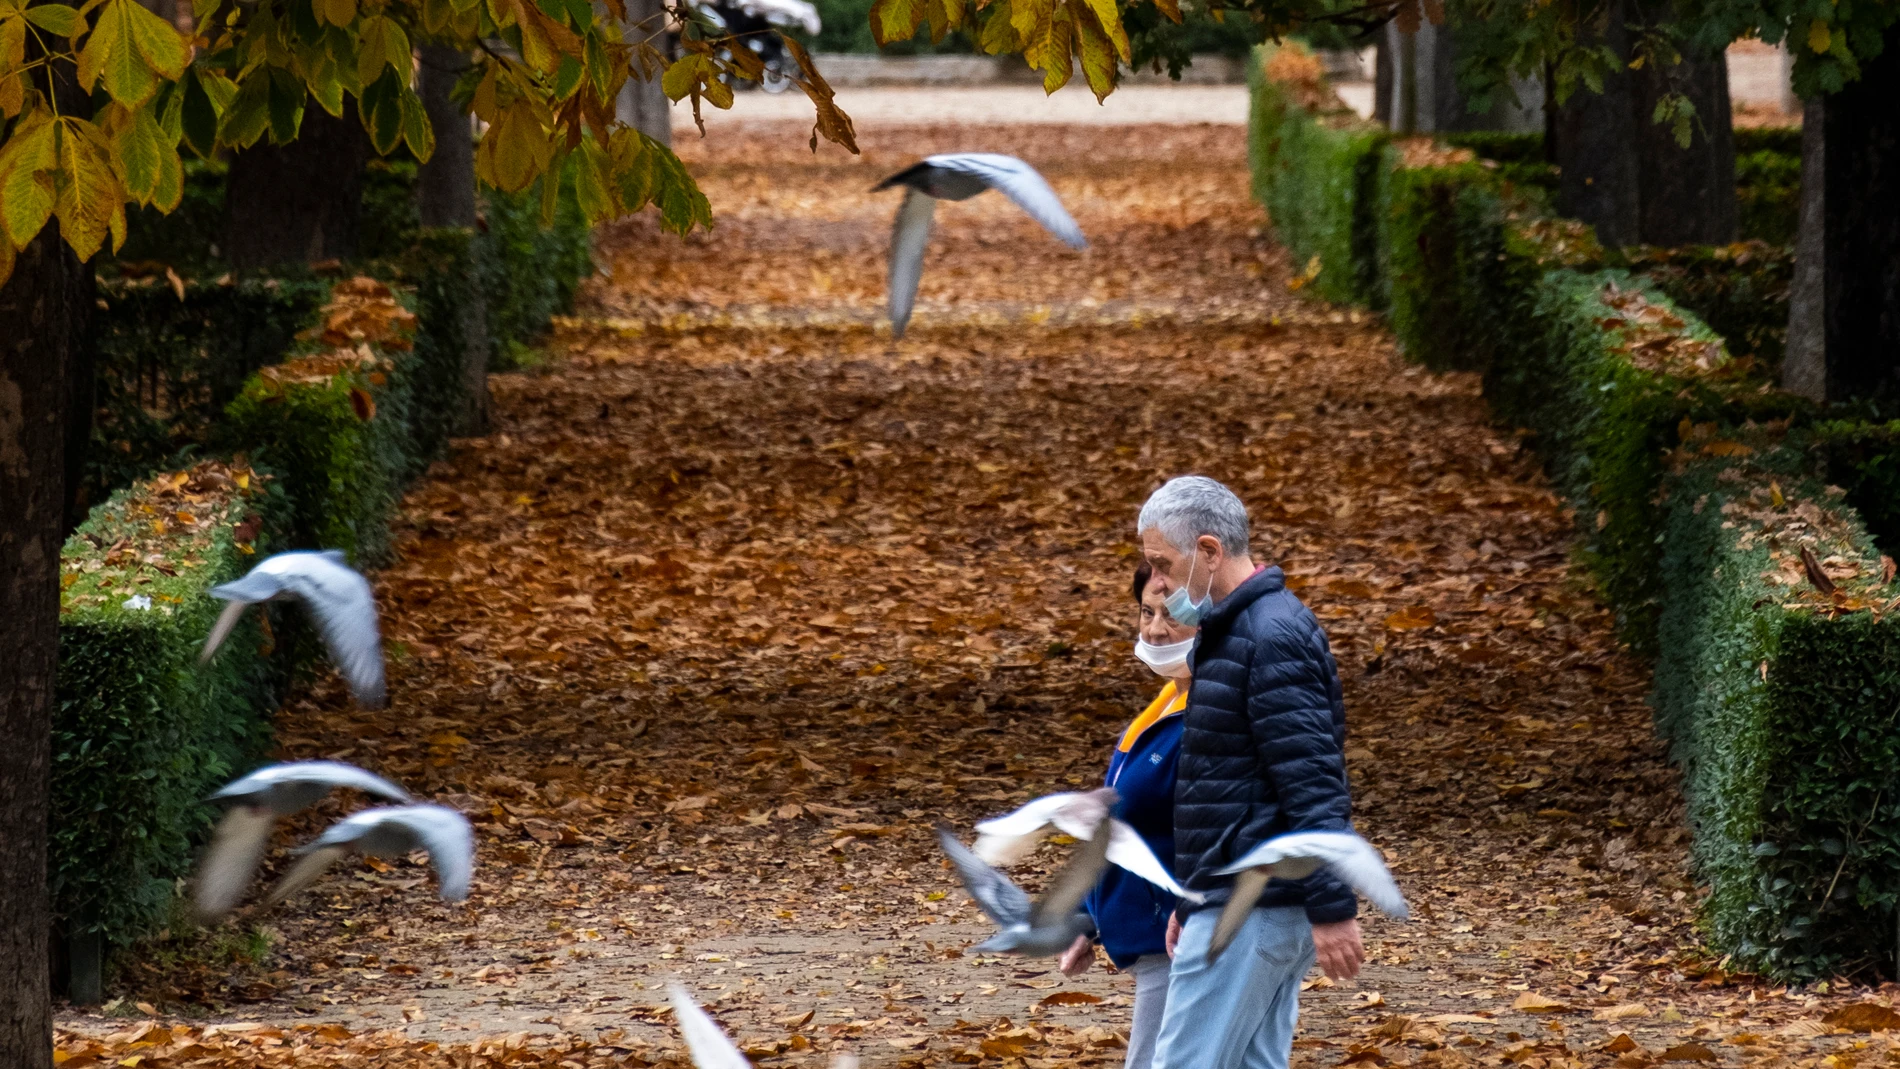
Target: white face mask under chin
x,y
1170,661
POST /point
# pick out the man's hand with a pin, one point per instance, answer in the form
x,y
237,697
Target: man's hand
x,y
1076,960
1337,947
1174,933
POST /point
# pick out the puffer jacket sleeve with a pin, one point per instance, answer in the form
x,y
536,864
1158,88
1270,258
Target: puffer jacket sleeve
x,y
1298,740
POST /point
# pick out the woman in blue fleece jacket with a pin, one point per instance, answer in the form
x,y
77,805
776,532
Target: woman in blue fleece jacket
x,y
1131,914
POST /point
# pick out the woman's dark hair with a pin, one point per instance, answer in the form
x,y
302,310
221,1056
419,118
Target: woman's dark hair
x,y
1143,573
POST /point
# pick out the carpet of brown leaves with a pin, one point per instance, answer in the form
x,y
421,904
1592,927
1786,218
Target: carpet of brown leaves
x,y
738,599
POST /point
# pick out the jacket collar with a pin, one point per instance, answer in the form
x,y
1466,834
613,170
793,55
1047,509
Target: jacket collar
x,y
1268,580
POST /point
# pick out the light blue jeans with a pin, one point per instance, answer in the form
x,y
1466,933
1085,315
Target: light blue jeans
x,y
1151,1004
1238,1012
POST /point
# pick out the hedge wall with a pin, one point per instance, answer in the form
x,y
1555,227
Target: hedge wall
x,y
1778,700
1692,512
143,732
1316,172
337,423
170,356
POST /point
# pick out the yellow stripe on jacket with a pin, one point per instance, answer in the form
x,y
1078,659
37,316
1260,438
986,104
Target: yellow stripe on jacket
x,y
1171,700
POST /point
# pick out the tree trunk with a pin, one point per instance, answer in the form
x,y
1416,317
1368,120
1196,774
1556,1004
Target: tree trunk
x,y
299,202
445,190
643,104
44,309
1382,79
1804,366
1596,146
445,185
1862,265
1687,194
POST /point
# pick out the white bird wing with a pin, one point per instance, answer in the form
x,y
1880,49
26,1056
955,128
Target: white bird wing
x,y
305,872
344,607
995,894
331,774
1021,183
910,234
1346,855
1009,838
446,835
237,845
1066,890
1127,849
707,1042
221,630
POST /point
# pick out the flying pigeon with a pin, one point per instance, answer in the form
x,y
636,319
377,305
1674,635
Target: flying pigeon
x,y
257,801
391,831
337,597
1035,930
1296,856
960,177
1008,838
708,1044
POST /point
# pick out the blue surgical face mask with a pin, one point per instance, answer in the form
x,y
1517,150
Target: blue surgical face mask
x,y
1181,605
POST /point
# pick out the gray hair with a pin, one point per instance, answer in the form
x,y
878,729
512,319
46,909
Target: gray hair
x,y
1187,507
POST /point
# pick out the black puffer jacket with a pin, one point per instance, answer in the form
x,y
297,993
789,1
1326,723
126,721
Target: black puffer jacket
x,y
1263,750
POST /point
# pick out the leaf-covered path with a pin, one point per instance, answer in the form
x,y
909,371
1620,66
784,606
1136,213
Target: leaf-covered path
x,y
739,599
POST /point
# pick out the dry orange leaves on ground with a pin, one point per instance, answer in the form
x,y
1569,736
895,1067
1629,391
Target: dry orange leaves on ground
x,y
739,598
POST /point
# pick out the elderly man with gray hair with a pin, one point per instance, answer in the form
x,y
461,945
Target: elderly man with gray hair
x,y
1262,754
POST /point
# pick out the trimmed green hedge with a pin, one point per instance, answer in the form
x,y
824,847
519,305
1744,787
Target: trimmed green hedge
x,y
1740,290
1607,387
1768,195
167,366
1317,175
337,425
1779,702
529,274
143,732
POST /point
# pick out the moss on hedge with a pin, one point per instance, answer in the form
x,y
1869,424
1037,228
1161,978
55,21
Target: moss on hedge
x,y
143,731
1316,173
1779,702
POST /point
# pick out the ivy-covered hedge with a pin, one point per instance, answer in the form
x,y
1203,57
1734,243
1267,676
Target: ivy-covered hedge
x,y
1779,702
337,423
171,355
1316,167
143,732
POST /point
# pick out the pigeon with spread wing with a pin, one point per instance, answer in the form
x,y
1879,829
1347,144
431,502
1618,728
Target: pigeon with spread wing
x,y
1007,839
1296,856
339,600
391,831
960,176
1040,929
257,800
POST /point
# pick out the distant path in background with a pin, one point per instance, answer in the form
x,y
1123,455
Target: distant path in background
x,y
990,105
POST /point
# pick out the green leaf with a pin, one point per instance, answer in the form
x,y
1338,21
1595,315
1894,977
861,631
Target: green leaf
x,y
171,180
56,18
416,132
138,146
26,189
286,106
158,41
680,77
591,187
198,116
381,107
551,190
248,116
